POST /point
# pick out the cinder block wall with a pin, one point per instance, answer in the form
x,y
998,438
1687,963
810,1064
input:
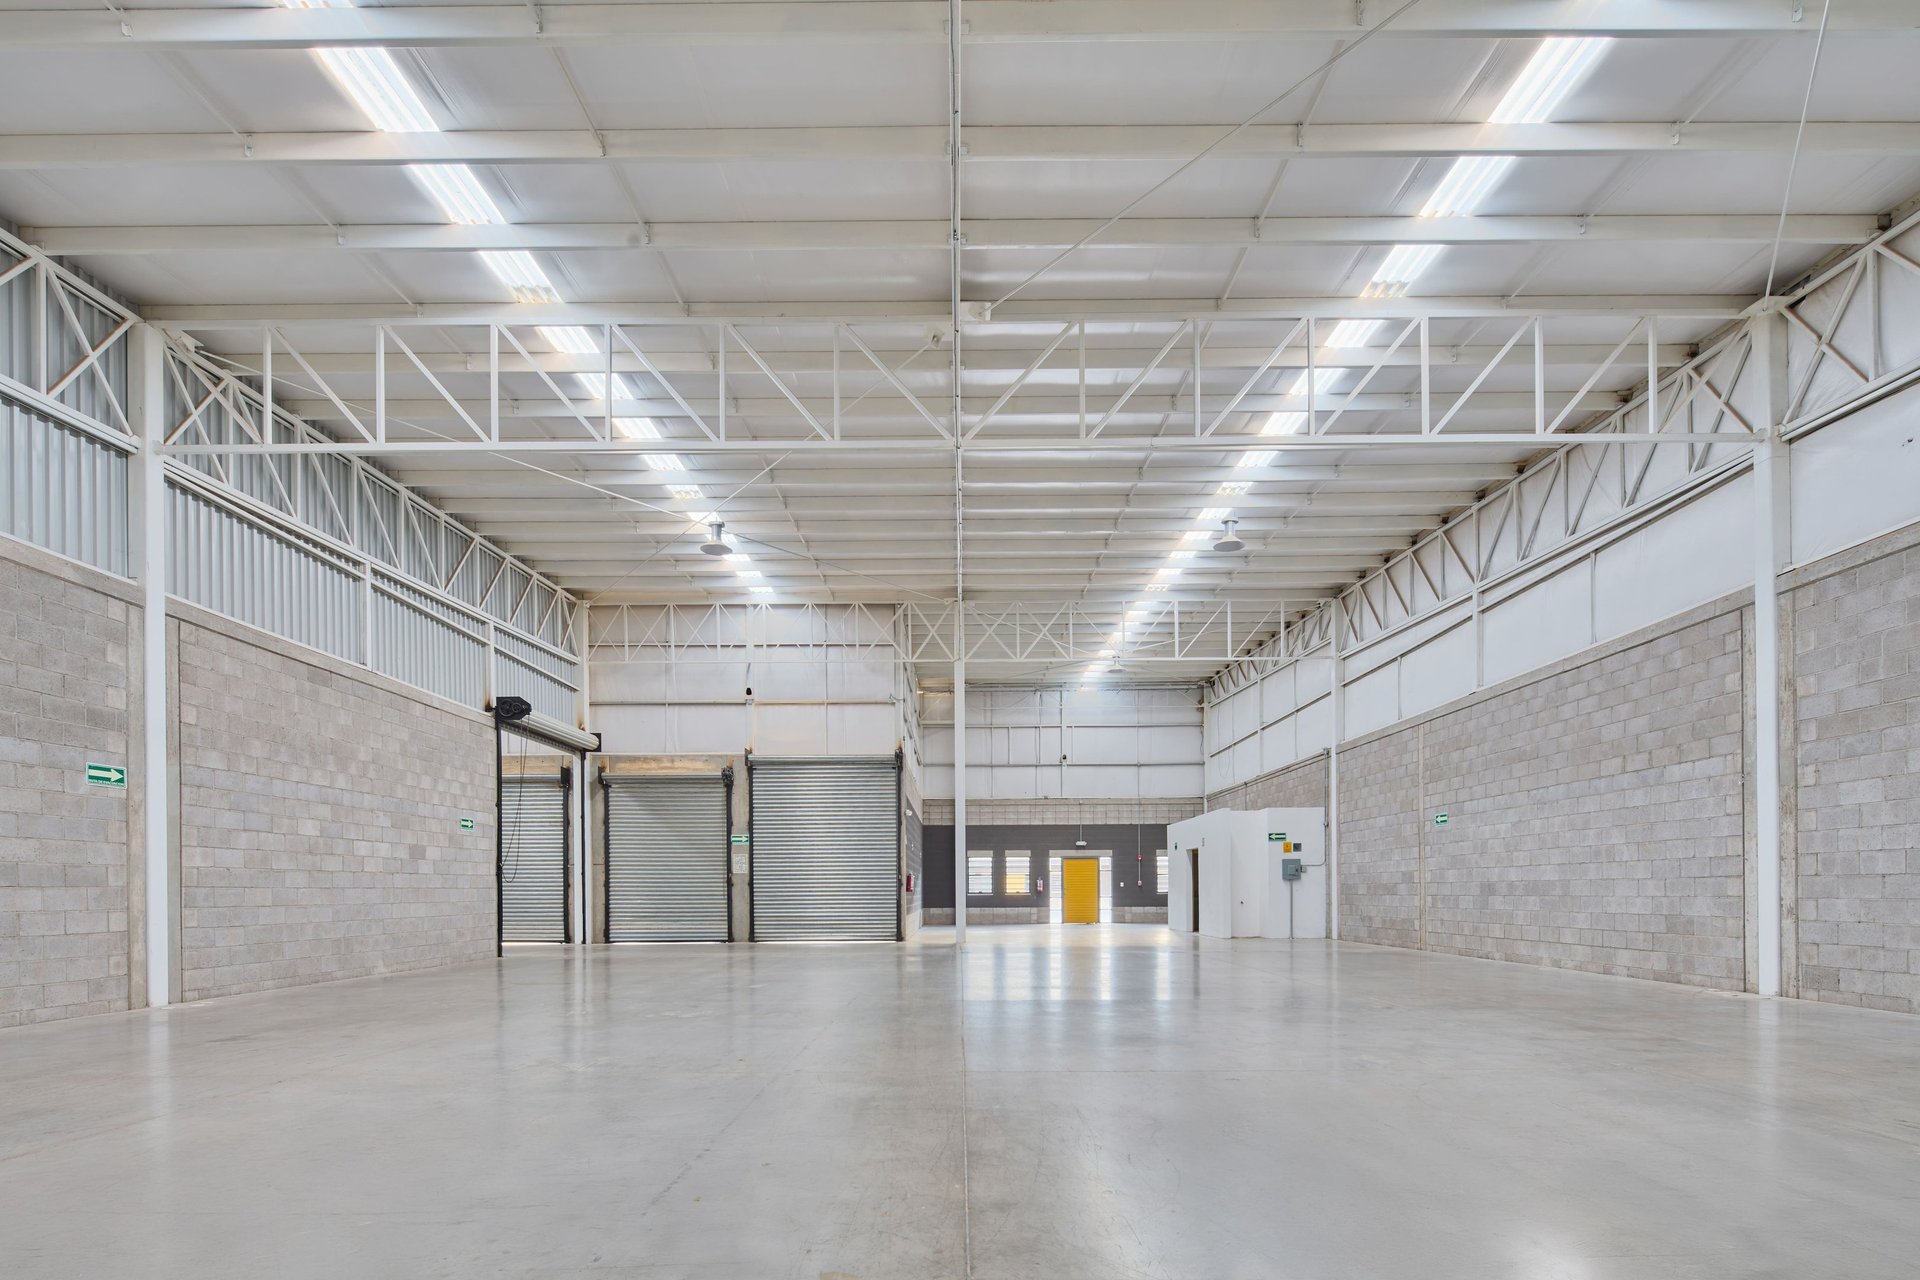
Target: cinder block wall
x,y
1381,890
320,813
1296,786
1856,689
69,852
1594,816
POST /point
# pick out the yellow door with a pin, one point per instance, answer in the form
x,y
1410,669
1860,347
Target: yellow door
x,y
1080,883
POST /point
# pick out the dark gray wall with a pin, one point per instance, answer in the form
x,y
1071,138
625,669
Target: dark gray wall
x,y
1133,846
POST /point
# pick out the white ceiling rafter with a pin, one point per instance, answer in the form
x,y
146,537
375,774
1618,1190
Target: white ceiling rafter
x,y
764,283
909,22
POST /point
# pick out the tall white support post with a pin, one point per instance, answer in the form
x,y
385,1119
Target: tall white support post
x,y
1772,545
146,378
582,699
959,797
1336,686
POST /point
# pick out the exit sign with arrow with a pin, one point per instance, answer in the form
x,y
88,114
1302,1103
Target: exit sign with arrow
x,y
106,775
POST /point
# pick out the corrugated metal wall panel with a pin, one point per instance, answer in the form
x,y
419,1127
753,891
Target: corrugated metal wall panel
x,y
220,561
667,859
65,490
533,860
826,849
414,646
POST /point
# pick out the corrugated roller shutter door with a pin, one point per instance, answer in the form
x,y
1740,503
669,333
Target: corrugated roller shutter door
x,y
533,860
826,852
667,859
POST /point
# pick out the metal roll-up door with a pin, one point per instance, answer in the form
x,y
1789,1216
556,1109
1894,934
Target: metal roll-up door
x,y
533,859
667,859
826,850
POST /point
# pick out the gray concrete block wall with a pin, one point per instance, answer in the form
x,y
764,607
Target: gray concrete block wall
x,y
1596,816
319,819
1857,727
1380,840
1295,786
68,696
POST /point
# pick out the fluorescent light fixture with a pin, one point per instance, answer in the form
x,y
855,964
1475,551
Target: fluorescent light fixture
x,y
1352,333
635,429
1467,183
1198,535
1256,458
1231,488
1400,269
573,339
1207,516
1559,64
458,193
748,575
1156,586
1163,575
666,462
516,269
685,491
738,557
1283,424
1177,555
761,591
377,86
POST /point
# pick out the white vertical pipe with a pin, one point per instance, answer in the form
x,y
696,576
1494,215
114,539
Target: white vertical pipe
x,y
146,378
1337,678
959,800
582,702
1772,553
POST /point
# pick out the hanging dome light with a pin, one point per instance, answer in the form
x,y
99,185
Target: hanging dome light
x,y
716,543
1229,541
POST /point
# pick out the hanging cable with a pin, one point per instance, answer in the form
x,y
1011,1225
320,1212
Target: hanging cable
x,y
1211,147
1793,159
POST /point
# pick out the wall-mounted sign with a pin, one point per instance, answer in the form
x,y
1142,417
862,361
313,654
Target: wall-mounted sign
x,y
106,775
740,840
466,824
1439,819
1276,835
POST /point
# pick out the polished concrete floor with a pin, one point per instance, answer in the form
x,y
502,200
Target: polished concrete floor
x,y
1105,1103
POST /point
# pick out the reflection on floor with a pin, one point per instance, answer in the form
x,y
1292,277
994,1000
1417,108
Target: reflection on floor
x,y
1101,1101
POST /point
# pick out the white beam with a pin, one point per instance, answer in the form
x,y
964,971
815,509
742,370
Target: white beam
x,y
909,22
1144,408
928,142
194,317
1063,445
928,234
981,361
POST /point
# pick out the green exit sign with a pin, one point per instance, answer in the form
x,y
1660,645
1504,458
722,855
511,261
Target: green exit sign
x,y
466,824
1276,835
740,840
1439,819
106,775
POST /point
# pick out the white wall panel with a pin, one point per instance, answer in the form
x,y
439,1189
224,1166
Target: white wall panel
x,y
1373,700
1858,478
1438,671
1540,624
1696,553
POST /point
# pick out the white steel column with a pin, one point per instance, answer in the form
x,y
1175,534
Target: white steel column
x,y
1772,547
1336,685
146,379
582,699
959,800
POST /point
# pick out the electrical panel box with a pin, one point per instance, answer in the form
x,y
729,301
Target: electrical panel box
x,y
1292,869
